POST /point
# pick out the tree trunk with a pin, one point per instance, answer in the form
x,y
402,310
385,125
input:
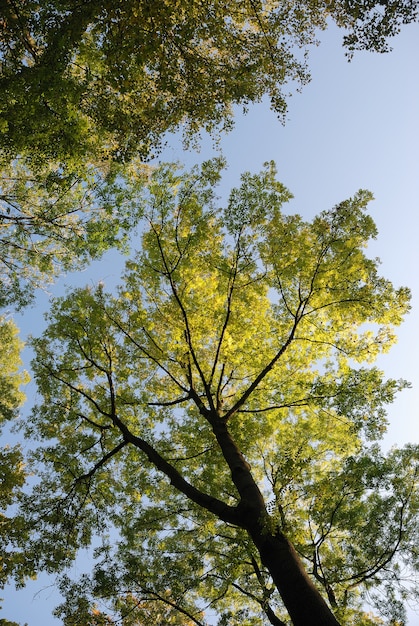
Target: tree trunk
x,y
302,600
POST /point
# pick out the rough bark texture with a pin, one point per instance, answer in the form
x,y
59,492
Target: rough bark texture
x,y
303,601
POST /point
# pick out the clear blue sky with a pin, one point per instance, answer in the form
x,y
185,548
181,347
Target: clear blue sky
x,y
355,126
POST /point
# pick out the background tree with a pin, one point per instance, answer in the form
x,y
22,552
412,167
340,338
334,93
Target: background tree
x,y
217,414
55,219
12,474
99,79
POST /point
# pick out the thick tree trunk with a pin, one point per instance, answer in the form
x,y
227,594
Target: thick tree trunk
x,y
302,600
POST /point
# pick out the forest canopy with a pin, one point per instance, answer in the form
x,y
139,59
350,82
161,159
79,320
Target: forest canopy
x,y
209,431
89,85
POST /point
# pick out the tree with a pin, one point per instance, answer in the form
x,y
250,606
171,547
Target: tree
x,y
95,80
5,622
371,23
56,218
219,413
11,459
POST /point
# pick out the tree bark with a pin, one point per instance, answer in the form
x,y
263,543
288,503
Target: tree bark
x,y
304,603
302,599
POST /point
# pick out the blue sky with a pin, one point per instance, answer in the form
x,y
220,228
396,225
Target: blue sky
x,y
355,126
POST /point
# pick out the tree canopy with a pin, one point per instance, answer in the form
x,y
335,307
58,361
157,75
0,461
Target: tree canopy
x,y
96,79
54,219
219,416
90,84
11,458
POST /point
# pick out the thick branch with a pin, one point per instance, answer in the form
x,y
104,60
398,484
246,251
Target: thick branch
x,y
252,504
223,511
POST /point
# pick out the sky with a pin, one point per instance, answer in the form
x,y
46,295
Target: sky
x,y
356,125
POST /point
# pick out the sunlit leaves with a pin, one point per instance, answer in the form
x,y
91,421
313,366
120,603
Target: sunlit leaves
x,y
12,470
11,378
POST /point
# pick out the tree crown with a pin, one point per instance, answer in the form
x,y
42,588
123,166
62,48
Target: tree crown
x,y
237,352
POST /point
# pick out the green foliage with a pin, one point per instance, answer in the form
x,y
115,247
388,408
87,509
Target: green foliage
x,y
6,622
246,316
54,219
371,22
10,377
242,318
102,79
12,473
135,611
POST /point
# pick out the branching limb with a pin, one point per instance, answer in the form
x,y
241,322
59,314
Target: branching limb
x,y
171,403
102,462
182,309
213,505
247,393
232,281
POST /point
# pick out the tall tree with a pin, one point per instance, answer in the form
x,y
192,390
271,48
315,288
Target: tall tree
x,y
219,413
96,79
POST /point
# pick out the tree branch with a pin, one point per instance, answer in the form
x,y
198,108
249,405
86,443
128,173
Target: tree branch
x,y
265,371
222,510
188,333
232,281
103,461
